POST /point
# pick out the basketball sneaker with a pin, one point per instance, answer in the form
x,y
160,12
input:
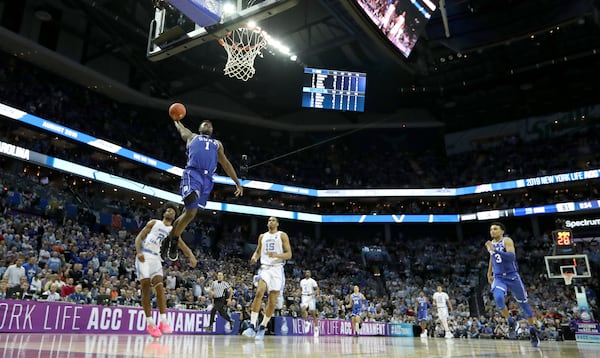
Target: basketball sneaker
x,y
533,337
249,332
316,331
172,253
165,328
154,331
512,328
424,334
260,334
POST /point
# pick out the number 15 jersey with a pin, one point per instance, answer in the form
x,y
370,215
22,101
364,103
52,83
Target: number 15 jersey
x,y
271,243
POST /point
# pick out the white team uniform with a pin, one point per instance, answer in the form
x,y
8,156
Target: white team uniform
x,y
440,299
308,293
271,269
152,265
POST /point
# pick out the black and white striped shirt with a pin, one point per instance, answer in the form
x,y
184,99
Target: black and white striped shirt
x,y
220,289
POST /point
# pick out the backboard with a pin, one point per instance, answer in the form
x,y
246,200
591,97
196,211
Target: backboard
x,y
578,265
171,31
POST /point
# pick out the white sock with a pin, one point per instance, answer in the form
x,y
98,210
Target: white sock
x,y
163,317
253,317
265,321
150,321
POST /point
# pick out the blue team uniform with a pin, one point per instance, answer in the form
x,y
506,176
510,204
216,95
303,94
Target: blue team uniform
x,y
422,308
357,304
506,274
202,152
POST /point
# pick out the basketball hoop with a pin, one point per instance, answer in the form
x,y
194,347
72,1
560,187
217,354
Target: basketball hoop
x,y
242,45
568,277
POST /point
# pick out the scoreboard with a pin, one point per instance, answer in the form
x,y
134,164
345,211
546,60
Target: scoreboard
x,y
334,89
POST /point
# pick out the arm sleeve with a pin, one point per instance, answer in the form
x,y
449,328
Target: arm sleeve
x,y
507,256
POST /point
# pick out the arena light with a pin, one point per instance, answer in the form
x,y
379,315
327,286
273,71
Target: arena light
x,y
229,9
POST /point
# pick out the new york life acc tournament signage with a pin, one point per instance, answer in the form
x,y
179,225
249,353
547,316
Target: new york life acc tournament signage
x,y
289,326
61,317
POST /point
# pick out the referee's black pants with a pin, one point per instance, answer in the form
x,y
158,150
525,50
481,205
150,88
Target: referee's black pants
x,y
220,305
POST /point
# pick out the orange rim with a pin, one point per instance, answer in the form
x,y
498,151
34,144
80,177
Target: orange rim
x,y
223,43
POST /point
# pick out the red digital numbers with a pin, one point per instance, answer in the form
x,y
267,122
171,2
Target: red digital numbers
x,y
563,238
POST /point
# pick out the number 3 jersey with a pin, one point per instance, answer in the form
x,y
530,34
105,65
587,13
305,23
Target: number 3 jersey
x,y
500,266
271,243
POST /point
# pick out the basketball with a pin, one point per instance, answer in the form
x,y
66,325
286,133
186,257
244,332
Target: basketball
x,y
177,111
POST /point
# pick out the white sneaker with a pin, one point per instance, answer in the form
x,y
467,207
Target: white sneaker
x,y
449,336
306,327
424,334
316,332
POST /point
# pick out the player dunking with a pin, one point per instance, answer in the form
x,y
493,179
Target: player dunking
x,y
203,154
148,264
503,274
421,308
310,290
442,302
273,249
356,300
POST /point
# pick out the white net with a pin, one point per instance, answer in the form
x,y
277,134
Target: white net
x,y
242,46
568,277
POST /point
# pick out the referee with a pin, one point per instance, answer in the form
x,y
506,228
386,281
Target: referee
x,y
220,292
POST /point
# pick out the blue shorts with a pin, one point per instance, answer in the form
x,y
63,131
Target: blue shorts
x,y
513,281
196,182
422,315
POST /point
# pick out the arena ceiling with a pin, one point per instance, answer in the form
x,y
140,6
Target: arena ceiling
x,y
502,60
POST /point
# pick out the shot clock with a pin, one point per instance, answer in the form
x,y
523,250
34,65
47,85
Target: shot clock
x,y
563,242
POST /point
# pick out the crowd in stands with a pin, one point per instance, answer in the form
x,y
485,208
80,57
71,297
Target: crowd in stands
x,y
48,255
365,159
52,260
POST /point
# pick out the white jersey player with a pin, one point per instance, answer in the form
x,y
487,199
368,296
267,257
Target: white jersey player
x,y
442,302
273,249
310,290
148,264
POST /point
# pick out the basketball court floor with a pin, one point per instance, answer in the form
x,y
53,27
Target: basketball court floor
x,y
189,346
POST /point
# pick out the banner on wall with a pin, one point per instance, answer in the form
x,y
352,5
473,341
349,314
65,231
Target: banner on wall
x,y
289,326
61,317
40,317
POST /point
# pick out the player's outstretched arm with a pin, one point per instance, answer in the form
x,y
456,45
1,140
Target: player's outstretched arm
x,y
185,133
229,170
187,252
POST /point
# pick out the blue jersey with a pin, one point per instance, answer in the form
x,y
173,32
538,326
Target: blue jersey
x,y
422,306
499,266
357,303
202,154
